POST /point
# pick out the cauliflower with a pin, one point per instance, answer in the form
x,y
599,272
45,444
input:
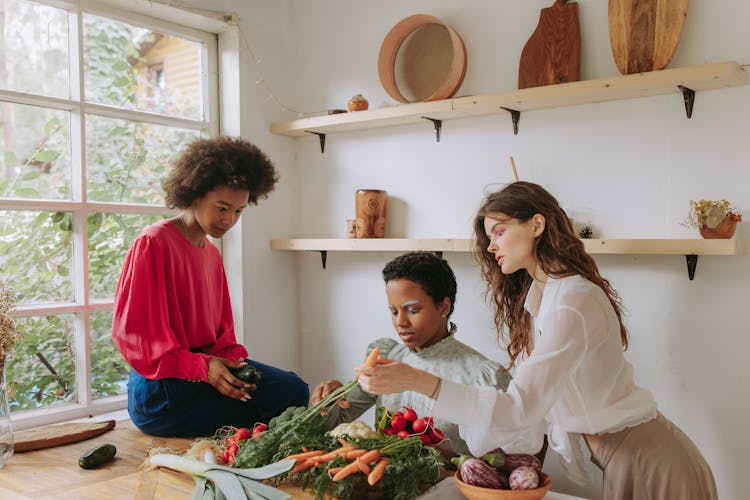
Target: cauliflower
x,y
356,429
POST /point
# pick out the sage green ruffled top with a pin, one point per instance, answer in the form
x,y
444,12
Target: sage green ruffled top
x,y
449,359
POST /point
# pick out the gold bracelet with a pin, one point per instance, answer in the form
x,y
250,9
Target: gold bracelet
x,y
437,388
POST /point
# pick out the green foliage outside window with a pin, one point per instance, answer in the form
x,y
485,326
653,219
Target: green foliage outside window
x,y
126,162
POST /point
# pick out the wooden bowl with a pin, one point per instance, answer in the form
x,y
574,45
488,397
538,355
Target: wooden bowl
x,y
478,493
421,59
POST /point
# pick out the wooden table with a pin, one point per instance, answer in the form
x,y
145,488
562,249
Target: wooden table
x,y
53,473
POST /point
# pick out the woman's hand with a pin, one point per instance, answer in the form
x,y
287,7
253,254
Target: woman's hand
x,y
388,377
322,390
223,381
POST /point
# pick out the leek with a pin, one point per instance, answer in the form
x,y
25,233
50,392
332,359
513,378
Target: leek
x,y
214,482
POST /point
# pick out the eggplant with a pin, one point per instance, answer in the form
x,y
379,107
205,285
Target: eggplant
x,y
479,473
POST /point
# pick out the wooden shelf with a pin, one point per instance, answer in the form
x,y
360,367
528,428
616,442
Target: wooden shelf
x,y
690,248
667,81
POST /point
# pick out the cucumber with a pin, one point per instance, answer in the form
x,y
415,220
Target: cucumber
x,y
97,456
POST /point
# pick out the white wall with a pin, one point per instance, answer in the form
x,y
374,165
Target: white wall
x,y
630,166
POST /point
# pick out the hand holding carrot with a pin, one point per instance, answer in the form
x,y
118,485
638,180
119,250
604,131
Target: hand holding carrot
x,y
388,377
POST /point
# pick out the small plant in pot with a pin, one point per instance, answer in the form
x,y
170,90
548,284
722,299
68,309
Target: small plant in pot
x,y
713,218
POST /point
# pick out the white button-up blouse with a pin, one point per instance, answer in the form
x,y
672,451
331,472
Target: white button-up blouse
x,y
576,380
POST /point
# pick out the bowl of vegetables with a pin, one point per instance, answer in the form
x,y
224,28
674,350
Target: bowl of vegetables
x,y
497,475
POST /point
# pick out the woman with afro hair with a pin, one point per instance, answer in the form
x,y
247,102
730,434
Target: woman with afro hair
x,y
172,319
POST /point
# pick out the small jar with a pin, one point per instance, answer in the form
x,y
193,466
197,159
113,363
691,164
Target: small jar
x,y
358,103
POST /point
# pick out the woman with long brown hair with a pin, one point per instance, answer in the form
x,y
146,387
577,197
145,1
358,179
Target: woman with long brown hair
x,y
562,322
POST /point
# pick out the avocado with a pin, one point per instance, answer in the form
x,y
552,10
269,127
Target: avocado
x,y
248,374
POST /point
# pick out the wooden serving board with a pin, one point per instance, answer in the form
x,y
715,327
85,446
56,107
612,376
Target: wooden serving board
x,y
59,434
644,34
553,52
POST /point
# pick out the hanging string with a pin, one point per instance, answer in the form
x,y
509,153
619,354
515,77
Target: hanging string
x,y
233,19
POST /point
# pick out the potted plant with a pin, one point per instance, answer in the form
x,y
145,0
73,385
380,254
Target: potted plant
x,y
713,218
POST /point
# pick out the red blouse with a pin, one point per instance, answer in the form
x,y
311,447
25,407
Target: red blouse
x,y
172,310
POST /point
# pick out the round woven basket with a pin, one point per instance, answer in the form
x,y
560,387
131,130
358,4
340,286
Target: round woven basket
x,y
478,493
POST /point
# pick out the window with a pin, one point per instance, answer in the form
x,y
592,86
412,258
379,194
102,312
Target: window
x,y
87,135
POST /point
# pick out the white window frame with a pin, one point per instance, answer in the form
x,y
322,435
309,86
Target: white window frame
x,y
219,39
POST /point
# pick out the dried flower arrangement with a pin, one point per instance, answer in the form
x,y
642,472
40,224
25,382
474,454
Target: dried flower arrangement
x,y
9,335
710,213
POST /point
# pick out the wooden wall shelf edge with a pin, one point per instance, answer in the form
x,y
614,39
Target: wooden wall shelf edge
x,y
706,77
734,246
690,248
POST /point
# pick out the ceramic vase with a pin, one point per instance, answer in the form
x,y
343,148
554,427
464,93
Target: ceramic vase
x,y
724,230
6,429
371,205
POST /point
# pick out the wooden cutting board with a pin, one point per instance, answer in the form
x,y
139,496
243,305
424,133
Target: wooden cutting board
x,y
553,52
56,435
644,34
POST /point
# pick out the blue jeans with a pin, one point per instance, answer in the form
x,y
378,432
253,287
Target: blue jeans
x,y
174,407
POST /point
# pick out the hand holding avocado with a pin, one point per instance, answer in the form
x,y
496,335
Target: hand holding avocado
x,y
248,374
221,375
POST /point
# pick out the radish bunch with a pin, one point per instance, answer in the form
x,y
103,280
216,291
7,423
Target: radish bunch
x,y
407,423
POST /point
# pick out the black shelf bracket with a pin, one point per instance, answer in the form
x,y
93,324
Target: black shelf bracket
x,y
688,95
515,116
438,126
323,257
322,138
692,262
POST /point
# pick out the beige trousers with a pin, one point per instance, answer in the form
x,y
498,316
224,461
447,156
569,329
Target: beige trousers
x,y
653,461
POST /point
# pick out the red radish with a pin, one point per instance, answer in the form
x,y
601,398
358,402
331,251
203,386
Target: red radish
x,y
425,439
398,423
419,425
242,433
389,431
260,426
409,414
436,435
403,434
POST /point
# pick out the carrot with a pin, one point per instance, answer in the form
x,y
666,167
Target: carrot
x,y
377,472
372,358
346,471
327,457
351,455
303,465
370,456
363,467
333,470
304,455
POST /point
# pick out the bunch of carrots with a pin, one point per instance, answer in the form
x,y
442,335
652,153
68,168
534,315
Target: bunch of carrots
x,y
371,462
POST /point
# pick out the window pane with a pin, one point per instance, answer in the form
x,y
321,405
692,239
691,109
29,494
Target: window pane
x,y
110,236
109,372
135,68
36,254
34,49
36,152
43,371
127,161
